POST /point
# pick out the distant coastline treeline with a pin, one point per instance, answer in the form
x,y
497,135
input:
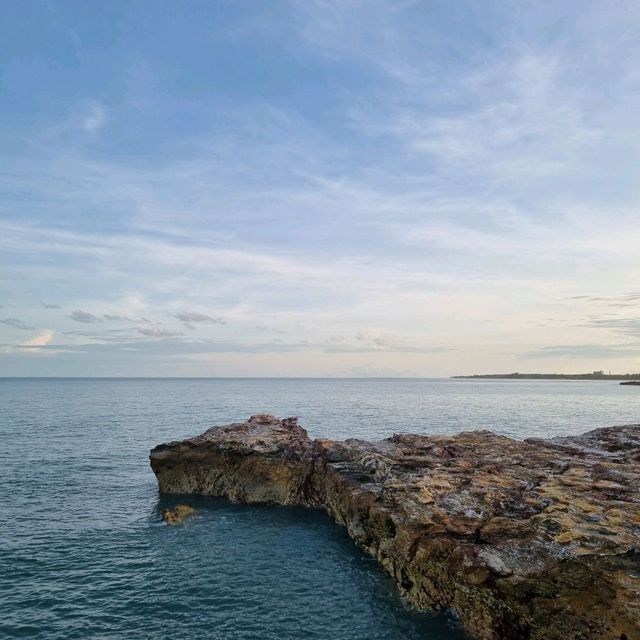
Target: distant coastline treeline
x,y
596,375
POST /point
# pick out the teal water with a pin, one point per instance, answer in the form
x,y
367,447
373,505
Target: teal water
x,y
83,553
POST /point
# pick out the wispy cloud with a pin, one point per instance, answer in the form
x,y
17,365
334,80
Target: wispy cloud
x,y
16,324
409,187
157,332
83,316
587,351
89,318
620,301
621,326
170,343
189,318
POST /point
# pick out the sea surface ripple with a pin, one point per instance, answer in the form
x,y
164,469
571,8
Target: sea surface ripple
x,y
83,553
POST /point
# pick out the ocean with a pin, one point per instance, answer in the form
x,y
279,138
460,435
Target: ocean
x,y
84,554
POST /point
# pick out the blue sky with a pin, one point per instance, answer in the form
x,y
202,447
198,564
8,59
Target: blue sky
x,y
319,188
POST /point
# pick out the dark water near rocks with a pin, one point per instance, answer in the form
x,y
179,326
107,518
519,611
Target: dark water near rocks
x,y
83,553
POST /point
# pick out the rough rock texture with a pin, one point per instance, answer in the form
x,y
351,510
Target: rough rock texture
x,y
178,514
537,539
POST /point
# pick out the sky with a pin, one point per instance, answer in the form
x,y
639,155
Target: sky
x,y
319,188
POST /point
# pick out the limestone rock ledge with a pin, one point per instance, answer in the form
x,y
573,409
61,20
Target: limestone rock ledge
x,y
535,539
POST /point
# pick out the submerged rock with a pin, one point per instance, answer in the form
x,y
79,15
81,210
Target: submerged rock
x,y
535,539
178,514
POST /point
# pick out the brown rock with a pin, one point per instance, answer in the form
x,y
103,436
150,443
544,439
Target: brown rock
x,y
535,540
178,514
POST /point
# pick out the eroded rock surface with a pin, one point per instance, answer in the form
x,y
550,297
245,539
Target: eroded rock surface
x,y
178,514
535,539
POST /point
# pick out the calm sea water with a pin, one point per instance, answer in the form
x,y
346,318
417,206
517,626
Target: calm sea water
x,y
83,553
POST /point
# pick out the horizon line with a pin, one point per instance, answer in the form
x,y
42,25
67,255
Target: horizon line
x,y
495,376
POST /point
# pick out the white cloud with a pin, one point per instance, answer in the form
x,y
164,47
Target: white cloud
x,y
40,339
94,118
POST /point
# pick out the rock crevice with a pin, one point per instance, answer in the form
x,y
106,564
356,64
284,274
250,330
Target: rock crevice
x,y
535,539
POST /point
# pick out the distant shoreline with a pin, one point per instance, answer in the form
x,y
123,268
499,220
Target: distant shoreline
x,y
553,376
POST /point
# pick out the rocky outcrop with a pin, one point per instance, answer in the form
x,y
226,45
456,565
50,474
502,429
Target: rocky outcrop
x,y
535,539
178,514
